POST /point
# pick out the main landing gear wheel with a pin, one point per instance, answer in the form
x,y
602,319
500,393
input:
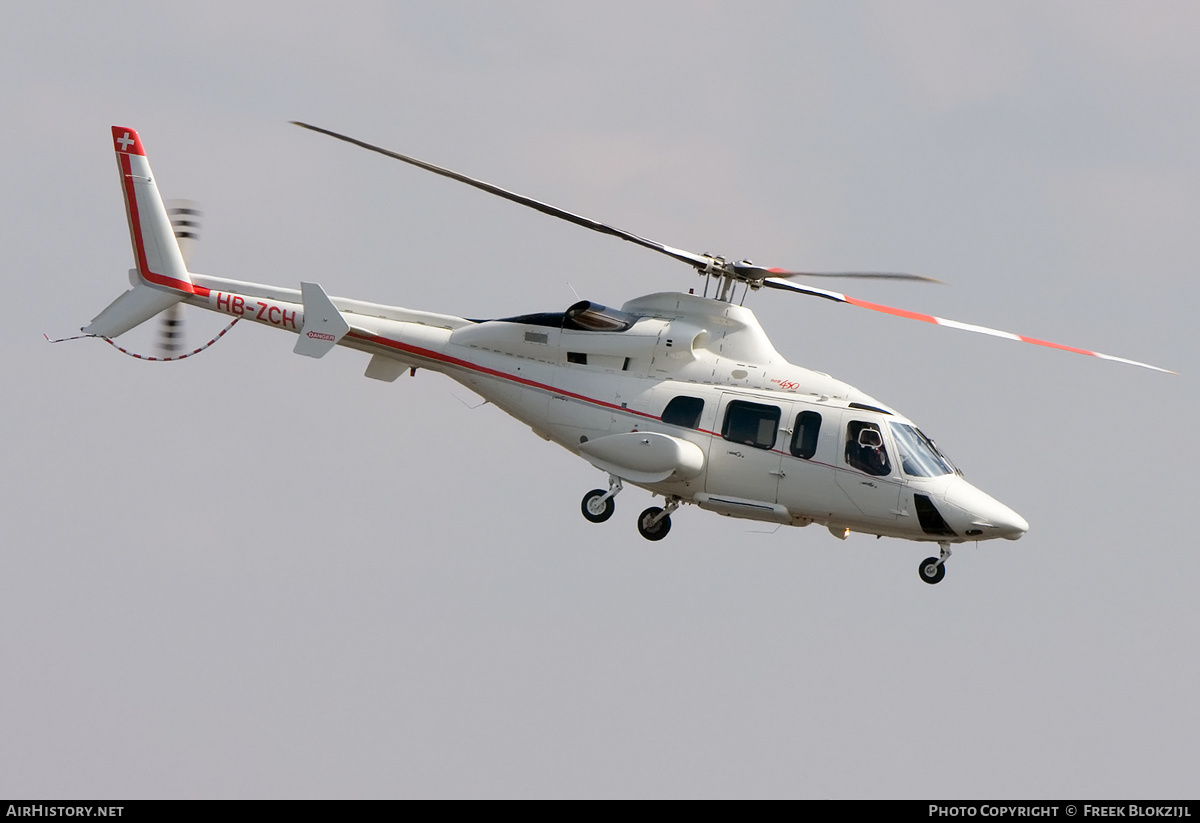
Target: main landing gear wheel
x,y
931,570
598,505
651,525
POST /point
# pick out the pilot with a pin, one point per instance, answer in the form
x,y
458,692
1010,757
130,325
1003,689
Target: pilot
x,y
875,460
865,452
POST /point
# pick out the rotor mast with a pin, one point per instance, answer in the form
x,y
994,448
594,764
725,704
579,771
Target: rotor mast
x,y
725,286
727,276
726,279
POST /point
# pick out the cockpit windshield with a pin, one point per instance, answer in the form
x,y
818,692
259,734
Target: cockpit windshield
x,y
919,457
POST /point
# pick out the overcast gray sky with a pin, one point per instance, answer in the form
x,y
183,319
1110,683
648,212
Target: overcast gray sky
x,y
252,574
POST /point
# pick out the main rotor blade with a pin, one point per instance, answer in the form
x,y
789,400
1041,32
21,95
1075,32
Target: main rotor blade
x,y
856,275
696,260
783,285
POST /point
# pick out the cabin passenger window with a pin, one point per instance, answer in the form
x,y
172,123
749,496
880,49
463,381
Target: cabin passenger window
x,y
865,450
751,424
804,436
683,411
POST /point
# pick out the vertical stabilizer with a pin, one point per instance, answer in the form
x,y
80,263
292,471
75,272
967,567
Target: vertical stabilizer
x,y
159,262
161,279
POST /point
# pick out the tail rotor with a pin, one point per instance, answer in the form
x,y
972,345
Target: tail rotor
x,y
185,222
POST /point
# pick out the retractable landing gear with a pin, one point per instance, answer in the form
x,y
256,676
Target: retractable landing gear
x,y
598,504
654,523
933,569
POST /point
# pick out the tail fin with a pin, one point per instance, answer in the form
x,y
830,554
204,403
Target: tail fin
x,y
159,262
162,277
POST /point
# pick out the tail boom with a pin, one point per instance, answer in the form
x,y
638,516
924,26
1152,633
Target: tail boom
x,y
161,280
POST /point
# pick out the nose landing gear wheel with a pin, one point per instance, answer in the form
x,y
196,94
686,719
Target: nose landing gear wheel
x,y
651,529
931,571
597,505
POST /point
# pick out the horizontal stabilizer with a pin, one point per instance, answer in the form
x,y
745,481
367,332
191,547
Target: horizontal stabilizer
x,y
323,325
133,307
644,457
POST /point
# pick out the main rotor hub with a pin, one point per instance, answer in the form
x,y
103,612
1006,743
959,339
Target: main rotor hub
x,y
728,276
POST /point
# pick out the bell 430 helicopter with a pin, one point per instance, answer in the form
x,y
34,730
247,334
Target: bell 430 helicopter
x,y
679,394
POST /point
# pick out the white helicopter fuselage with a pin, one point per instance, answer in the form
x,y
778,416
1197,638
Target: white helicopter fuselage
x,y
678,394
681,395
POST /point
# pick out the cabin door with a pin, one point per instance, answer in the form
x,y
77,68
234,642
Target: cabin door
x,y
867,469
743,461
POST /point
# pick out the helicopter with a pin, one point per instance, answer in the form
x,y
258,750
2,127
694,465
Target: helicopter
x,y
679,394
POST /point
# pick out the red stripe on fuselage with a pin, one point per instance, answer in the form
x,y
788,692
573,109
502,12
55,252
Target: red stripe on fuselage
x,y
533,384
469,366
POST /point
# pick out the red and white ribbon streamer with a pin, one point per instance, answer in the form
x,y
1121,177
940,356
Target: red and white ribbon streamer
x,y
110,342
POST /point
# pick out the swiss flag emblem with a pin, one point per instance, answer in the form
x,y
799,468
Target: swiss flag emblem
x,y
126,141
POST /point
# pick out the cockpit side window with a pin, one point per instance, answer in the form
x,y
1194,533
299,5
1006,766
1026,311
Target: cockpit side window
x,y
804,436
683,411
865,450
751,424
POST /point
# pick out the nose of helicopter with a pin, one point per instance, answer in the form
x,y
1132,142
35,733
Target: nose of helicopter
x,y
981,514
